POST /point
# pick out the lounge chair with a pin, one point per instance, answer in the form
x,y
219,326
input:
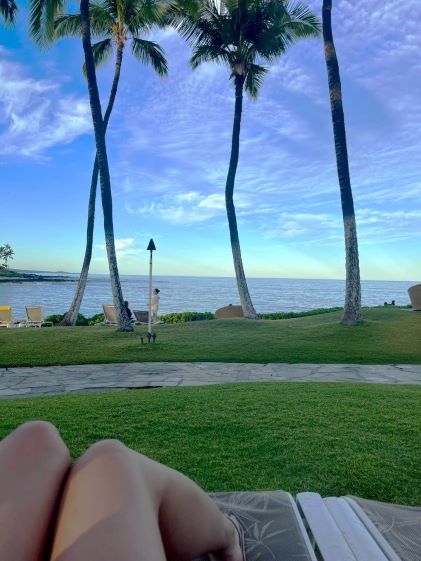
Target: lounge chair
x,y
35,317
278,528
6,316
354,529
229,312
415,297
142,316
110,314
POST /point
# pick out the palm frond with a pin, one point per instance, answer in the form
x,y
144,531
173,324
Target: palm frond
x,y
67,25
150,54
140,16
102,51
209,53
41,20
303,22
102,21
8,10
254,79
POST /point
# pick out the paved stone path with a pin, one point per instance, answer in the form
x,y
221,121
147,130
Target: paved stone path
x,y
48,380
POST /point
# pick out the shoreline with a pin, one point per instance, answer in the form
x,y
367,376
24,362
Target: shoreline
x,y
11,276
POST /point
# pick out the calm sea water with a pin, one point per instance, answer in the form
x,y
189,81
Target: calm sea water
x,y
199,294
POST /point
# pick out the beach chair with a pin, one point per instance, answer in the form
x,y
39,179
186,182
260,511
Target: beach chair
x,y
415,297
109,314
6,316
229,312
35,317
354,529
278,528
273,528
142,316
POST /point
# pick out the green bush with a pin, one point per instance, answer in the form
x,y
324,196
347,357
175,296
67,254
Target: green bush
x,y
289,315
81,319
55,318
97,318
183,317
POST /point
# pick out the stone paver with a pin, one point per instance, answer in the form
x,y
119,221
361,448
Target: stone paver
x,y
50,380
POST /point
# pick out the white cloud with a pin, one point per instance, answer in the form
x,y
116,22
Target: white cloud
x,y
37,114
125,248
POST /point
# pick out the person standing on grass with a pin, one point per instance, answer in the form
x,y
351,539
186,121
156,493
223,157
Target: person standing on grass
x,y
155,303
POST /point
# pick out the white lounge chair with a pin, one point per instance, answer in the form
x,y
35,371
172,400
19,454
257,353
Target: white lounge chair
x,y
110,316
276,528
355,529
35,317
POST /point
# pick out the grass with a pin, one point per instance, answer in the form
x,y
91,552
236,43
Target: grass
x,y
331,438
387,336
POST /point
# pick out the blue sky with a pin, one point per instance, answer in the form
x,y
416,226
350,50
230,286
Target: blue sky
x,y
169,142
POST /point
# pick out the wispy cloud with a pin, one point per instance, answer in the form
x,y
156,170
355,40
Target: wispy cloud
x,y
37,114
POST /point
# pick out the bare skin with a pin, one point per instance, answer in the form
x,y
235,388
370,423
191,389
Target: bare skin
x,y
116,504
33,465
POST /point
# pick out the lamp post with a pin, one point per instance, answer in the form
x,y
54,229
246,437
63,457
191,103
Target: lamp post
x,y
151,247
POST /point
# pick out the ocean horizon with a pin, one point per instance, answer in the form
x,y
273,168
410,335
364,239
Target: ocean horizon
x,y
194,293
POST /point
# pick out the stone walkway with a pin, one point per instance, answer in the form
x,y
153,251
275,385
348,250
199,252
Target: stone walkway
x,y
49,380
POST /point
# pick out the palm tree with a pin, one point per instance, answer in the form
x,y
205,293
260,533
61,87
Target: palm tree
x,y
8,9
352,309
117,23
42,18
244,35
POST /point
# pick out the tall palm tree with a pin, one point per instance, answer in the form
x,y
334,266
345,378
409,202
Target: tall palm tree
x,y
117,22
352,309
8,10
244,35
42,19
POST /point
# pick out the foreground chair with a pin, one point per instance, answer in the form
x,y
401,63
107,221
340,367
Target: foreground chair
x,y
6,316
278,528
35,317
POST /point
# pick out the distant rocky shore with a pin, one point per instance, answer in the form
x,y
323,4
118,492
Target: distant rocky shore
x,y
16,276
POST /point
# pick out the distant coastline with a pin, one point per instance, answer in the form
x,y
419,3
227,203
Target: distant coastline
x,y
17,277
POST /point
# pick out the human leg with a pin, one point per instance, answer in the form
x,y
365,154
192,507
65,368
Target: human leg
x,y
118,504
33,464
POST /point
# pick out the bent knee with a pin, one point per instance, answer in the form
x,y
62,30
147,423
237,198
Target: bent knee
x,y
40,435
41,432
109,448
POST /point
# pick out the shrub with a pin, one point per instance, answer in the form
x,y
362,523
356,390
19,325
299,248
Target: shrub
x,y
97,318
81,319
183,317
289,315
55,318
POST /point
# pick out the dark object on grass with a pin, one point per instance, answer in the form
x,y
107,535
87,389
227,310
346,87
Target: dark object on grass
x,y
142,316
153,337
149,335
141,340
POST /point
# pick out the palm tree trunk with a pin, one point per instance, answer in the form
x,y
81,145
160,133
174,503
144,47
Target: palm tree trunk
x,y
71,316
101,150
246,303
352,309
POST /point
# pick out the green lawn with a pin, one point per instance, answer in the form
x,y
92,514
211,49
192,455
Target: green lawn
x,y
387,335
331,438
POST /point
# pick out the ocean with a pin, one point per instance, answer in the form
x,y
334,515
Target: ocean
x,y
200,294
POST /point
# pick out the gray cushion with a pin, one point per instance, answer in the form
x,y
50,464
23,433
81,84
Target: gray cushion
x,y
271,529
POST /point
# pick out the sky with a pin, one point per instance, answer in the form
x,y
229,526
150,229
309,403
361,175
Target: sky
x,y
169,144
